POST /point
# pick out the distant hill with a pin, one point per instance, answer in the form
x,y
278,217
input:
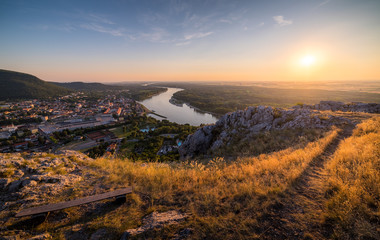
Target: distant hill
x,y
81,86
16,85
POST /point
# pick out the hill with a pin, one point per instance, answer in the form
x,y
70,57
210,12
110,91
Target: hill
x,y
320,187
81,86
270,128
16,85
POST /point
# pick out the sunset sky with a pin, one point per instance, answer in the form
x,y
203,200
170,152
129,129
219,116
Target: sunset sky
x,y
134,40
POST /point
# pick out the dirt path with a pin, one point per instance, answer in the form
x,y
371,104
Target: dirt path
x,y
298,214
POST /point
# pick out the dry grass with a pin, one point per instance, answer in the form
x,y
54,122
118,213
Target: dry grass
x,y
219,195
353,187
270,141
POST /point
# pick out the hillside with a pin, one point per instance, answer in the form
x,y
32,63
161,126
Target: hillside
x,y
81,86
270,128
16,85
320,184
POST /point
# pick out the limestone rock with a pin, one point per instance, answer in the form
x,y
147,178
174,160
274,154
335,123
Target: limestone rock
x,y
28,179
156,220
29,183
44,236
254,120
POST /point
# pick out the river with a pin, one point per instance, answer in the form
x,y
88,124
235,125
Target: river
x,y
180,114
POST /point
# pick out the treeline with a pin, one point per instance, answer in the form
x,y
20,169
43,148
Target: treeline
x,y
140,93
17,121
138,145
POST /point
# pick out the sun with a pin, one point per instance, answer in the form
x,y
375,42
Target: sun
x,y
307,60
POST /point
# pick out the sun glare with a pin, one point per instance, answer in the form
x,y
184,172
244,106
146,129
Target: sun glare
x,y
307,60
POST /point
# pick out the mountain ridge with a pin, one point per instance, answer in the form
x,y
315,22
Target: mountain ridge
x,y
82,86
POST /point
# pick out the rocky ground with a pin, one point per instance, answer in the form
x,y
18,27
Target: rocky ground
x,y
244,124
29,180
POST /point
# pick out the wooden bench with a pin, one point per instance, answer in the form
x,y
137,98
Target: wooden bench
x,y
72,203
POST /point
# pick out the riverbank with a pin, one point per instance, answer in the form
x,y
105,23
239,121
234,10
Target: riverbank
x,y
180,103
147,111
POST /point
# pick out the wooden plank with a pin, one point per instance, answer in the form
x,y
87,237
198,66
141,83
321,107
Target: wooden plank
x,y
72,203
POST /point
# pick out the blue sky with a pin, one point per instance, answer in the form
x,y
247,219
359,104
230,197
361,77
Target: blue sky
x,y
191,40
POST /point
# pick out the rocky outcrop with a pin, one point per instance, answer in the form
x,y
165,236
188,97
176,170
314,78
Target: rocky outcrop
x,y
156,220
27,180
253,120
344,107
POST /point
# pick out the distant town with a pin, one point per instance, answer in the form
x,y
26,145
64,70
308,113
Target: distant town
x,y
80,121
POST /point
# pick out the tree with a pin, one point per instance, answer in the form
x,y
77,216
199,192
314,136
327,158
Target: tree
x,y
55,141
41,140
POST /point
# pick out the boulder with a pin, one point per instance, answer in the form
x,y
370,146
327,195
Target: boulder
x,y
29,183
156,220
14,186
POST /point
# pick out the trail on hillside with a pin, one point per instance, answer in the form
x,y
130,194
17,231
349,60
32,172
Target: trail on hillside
x,y
297,215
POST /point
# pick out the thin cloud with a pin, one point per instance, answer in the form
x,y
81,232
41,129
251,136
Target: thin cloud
x,y
187,38
199,23
156,35
183,43
323,3
281,21
225,21
197,35
97,28
99,18
92,17
46,27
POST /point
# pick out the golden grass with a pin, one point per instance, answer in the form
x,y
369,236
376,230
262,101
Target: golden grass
x,y
270,141
219,195
353,186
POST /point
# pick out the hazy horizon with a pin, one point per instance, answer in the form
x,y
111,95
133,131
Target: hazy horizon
x,y
198,41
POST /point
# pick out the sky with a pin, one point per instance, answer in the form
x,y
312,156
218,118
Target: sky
x,y
191,40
